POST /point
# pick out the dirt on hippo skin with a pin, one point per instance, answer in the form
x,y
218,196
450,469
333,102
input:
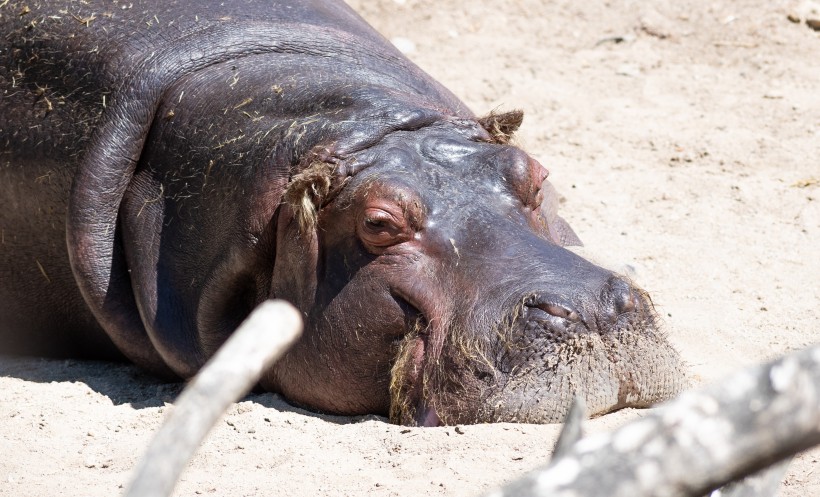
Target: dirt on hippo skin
x,y
685,138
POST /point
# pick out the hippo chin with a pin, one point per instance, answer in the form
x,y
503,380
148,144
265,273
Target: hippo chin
x,y
167,167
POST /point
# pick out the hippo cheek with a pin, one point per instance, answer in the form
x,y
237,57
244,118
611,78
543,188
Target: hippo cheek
x,y
352,333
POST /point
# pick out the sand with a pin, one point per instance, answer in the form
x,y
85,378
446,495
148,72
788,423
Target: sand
x,y
683,137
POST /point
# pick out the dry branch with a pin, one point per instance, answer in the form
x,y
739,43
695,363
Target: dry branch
x,y
764,483
696,443
573,429
230,374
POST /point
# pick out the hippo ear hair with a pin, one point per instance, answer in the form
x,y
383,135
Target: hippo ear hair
x,y
501,127
307,191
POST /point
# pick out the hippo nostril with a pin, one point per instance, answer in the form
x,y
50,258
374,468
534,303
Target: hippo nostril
x,y
624,302
623,297
560,311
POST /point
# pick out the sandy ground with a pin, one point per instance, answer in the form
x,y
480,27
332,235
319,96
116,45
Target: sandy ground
x,y
684,136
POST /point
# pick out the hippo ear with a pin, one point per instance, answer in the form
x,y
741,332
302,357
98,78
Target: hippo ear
x,y
308,191
297,258
564,234
560,231
501,127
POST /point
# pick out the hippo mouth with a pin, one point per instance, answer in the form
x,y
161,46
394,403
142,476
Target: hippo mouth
x,y
554,353
544,353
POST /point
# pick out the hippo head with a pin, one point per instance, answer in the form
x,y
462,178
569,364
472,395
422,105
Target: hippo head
x,y
435,288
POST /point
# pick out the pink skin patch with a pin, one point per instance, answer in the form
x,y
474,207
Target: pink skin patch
x,y
427,416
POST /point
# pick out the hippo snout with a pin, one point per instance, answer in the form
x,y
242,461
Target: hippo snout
x,y
594,339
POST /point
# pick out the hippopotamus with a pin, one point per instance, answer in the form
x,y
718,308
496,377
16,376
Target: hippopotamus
x,y
167,166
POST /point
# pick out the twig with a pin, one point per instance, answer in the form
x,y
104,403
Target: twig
x,y
573,428
234,369
700,441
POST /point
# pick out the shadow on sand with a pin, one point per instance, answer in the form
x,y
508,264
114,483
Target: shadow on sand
x,y
125,384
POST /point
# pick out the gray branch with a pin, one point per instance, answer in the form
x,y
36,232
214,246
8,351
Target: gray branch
x,y
696,443
764,483
573,429
230,374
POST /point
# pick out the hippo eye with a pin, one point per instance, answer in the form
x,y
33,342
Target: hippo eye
x,y
379,228
375,224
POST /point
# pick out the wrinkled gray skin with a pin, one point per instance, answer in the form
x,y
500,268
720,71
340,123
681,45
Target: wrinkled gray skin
x,y
166,166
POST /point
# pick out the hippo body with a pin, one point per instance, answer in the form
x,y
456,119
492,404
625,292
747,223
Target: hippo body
x,y
167,166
